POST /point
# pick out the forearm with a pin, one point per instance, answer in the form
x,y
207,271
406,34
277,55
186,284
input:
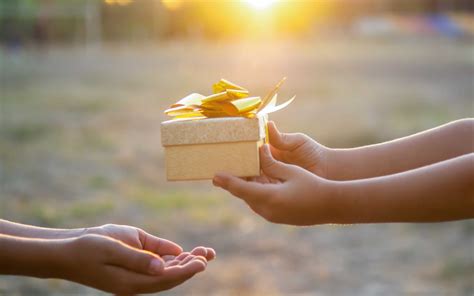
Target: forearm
x,y
28,231
440,192
445,142
31,257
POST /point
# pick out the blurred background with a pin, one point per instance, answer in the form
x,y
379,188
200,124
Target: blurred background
x,y
84,83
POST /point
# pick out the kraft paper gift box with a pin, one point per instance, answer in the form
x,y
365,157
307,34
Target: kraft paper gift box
x,y
219,132
197,149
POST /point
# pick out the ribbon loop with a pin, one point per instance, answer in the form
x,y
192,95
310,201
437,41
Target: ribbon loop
x,y
228,100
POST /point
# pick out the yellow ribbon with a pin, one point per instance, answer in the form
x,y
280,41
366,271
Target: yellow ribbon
x,y
228,100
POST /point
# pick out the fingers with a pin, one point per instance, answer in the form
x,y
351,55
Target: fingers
x,y
129,282
178,259
247,190
207,253
167,258
191,266
211,254
284,141
255,192
272,167
135,260
158,245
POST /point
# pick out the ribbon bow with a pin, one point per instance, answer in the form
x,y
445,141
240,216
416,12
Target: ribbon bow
x,y
228,100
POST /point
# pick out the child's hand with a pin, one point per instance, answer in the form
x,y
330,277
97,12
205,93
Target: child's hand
x,y
284,193
298,149
138,238
110,265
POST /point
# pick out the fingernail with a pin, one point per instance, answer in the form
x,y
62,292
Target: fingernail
x,y
156,266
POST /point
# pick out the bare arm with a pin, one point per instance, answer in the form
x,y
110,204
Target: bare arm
x,y
99,262
439,192
424,148
29,231
22,256
289,194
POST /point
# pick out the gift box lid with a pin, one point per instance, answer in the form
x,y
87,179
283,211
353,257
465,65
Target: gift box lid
x,y
212,130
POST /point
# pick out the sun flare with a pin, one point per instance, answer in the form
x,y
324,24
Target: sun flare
x,y
261,4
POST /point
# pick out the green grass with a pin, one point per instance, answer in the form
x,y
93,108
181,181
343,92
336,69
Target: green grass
x,y
47,212
454,268
98,182
156,200
84,210
25,133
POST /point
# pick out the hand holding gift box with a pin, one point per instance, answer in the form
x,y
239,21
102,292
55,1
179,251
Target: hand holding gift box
x,y
219,132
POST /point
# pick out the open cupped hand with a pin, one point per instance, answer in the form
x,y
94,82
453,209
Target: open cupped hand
x,y
140,239
110,265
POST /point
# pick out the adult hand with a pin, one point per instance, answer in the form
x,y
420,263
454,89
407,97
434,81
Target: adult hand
x,y
138,238
299,149
113,266
284,193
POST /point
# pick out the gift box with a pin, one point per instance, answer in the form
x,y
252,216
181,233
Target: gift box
x,y
197,149
219,132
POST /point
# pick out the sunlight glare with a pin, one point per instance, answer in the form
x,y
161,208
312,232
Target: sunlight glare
x,y
261,4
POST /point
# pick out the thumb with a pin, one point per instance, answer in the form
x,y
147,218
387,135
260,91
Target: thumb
x,y
272,167
137,260
284,141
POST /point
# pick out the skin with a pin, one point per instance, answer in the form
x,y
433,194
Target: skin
x,y
114,258
407,180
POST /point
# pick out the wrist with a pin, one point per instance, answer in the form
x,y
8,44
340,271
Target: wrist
x,y
330,163
350,203
341,164
337,203
69,233
92,230
31,257
63,258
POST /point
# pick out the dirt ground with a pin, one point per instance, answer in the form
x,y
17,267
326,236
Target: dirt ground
x,y
80,146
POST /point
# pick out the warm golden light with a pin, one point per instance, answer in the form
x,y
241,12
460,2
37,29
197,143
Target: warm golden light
x,y
119,2
261,4
172,4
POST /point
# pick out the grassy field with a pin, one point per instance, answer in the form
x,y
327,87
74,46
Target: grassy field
x,y
80,146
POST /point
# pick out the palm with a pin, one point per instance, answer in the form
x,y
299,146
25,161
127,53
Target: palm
x,y
139,239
